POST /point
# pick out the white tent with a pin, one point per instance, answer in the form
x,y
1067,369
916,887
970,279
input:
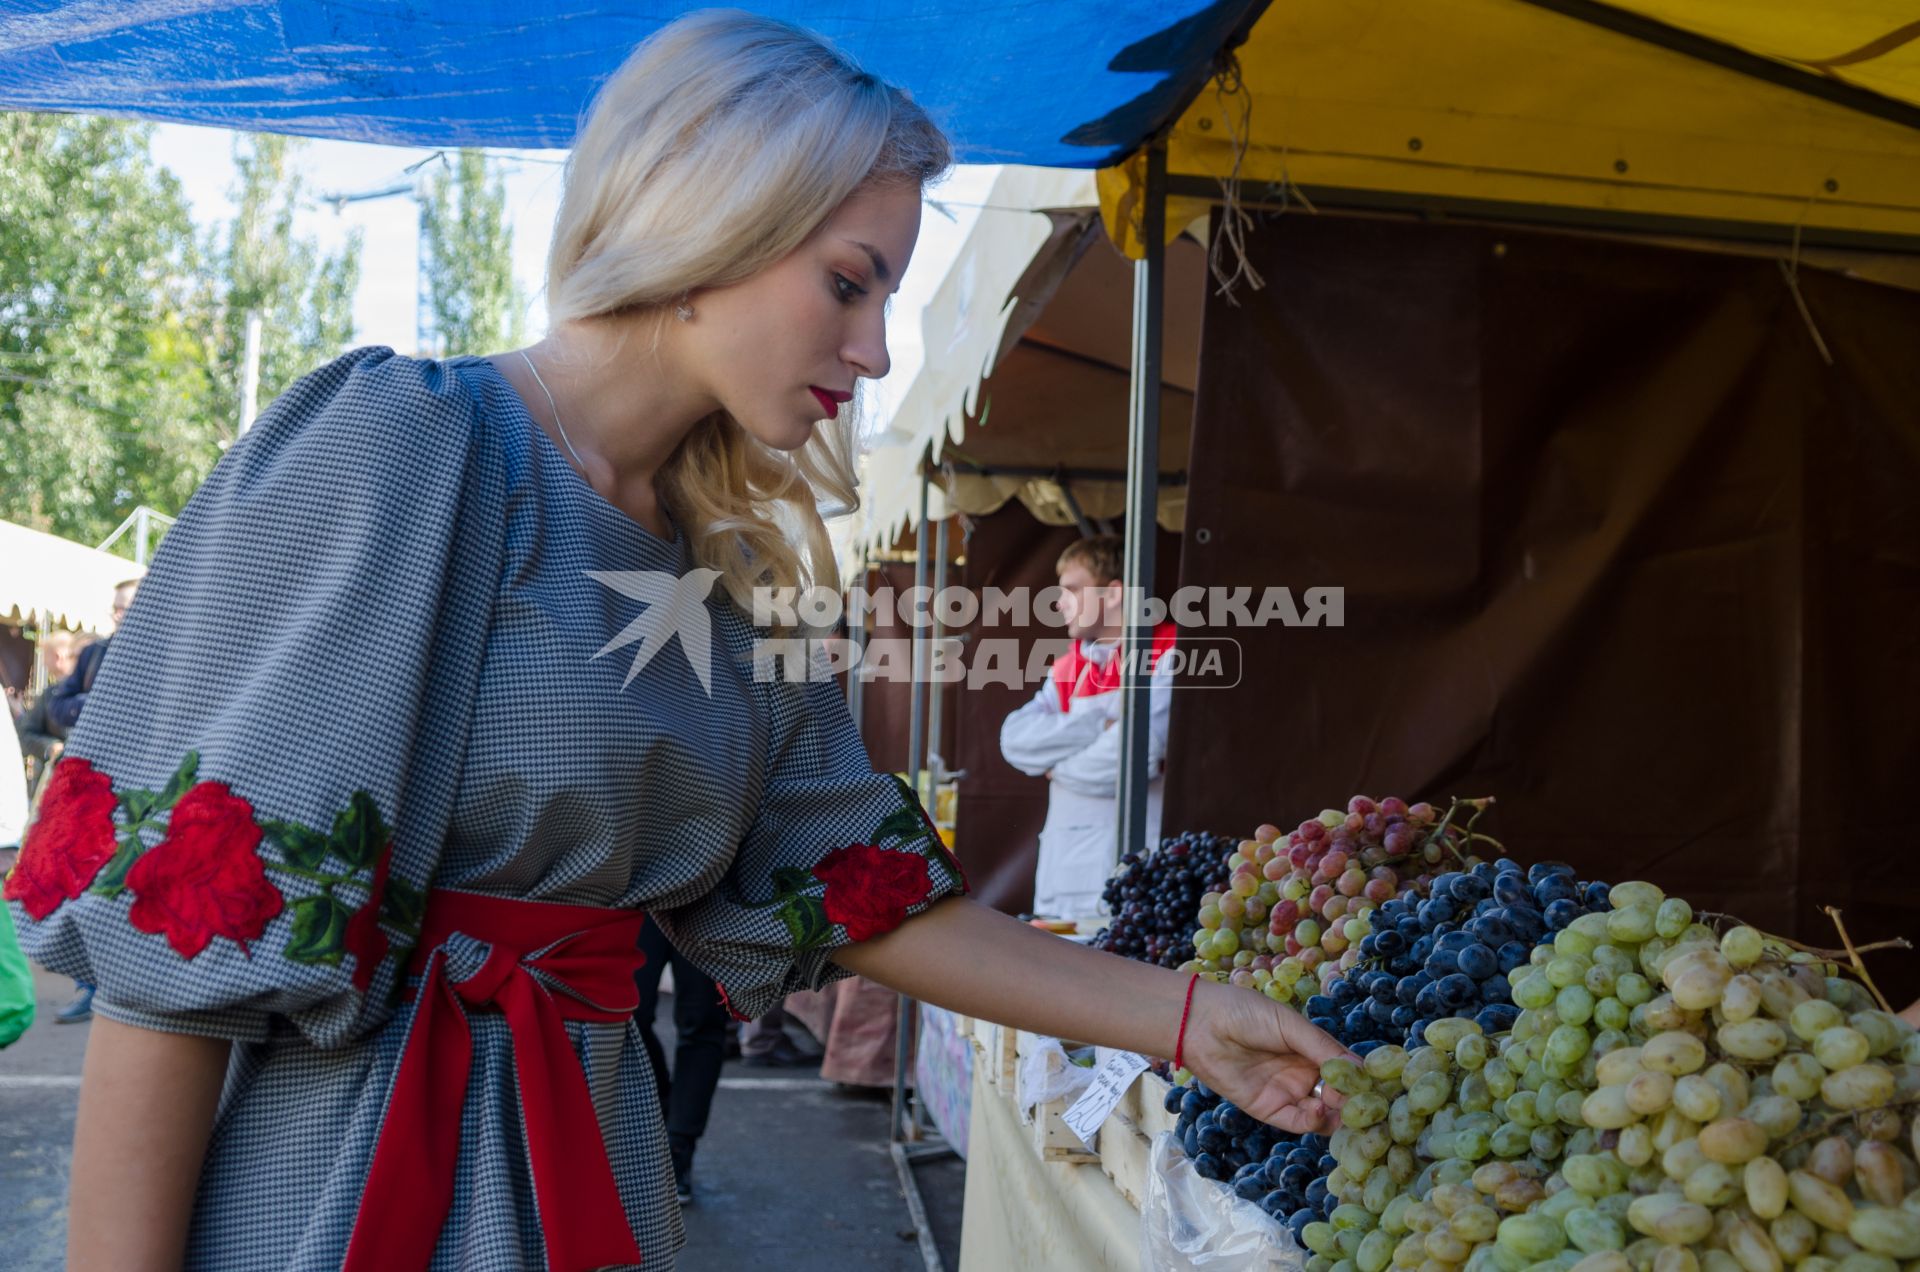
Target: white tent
x,y
961,330
48,581
1025,379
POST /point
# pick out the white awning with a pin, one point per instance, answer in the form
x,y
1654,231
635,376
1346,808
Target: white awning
x,y
48,581
961,330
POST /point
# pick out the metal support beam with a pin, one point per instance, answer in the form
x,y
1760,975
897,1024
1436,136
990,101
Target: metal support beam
x,y
1804,78
936,699
1087,528
1056,473
903,1160
1274,196
1143,470
857,648
900,1126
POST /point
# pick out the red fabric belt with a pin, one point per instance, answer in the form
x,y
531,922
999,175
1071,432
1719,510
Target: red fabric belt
x,y
586,958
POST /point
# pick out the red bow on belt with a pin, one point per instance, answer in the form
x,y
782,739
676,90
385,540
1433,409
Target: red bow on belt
x,y
591,955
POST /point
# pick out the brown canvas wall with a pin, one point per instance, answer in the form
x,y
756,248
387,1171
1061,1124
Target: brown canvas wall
x,y
1618,548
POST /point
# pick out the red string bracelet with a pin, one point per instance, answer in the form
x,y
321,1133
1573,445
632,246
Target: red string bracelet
x,y
1180,1043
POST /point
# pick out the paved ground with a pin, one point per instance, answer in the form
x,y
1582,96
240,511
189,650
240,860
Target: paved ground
x,y
792,1173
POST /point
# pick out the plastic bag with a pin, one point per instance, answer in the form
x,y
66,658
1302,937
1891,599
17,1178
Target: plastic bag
x,y
16,983
1048,1073
1189,1223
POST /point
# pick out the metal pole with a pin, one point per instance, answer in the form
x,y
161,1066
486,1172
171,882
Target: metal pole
x,y
917,1124
142,533
1143,473
857,640
250,372
916,748
935,695
423,333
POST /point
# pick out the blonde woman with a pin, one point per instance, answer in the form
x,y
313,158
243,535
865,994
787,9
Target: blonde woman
x,y
363,912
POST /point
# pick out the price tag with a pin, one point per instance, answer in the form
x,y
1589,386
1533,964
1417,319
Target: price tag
x,y
1098,1100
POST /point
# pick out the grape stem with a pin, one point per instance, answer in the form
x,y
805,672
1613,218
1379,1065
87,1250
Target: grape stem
x,y
1820,1131
1441,837
1831,956
1853,956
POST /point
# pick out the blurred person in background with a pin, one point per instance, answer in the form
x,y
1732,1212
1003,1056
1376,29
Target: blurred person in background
x,y
1067,733
700,1025
55,717
16,977
66,700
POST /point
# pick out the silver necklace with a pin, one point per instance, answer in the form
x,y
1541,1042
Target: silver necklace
x,y
555,409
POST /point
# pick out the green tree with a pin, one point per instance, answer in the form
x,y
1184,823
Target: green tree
x,y
122,333
102,385
304,296
476,306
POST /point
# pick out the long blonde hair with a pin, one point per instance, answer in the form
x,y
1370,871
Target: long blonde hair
x,y
716,149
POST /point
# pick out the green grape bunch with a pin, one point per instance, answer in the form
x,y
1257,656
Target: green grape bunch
x,y
1670,1099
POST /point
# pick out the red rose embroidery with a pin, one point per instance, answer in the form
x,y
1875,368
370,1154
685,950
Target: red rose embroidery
x,y
71,841
364,939
205,878
870,888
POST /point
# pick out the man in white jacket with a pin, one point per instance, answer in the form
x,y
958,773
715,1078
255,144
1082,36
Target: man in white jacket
x,y
1069,734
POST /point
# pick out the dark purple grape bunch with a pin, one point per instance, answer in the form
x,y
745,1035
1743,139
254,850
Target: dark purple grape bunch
x,y
1449,954
1154,896
1284,1174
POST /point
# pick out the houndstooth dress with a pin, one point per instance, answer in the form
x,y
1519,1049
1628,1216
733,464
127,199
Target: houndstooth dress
x,y
380,653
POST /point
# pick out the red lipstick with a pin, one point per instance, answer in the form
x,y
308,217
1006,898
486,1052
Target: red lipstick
x,y
829,400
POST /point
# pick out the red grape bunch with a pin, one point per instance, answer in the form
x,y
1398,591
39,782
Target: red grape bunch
x,y
1297,905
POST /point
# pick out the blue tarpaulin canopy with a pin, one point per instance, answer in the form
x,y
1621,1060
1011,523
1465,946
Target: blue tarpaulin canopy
x,y
1065,83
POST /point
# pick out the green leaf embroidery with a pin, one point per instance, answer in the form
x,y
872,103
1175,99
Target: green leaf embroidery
x,y
806,922
921,828
182,780
404,906
319,930
138,805
304,849
112,879
902,823
358,833
791,879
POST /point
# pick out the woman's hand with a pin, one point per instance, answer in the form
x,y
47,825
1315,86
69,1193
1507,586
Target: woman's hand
x,y
1263,1057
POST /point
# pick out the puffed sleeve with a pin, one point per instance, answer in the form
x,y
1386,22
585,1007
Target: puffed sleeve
x,y
248,815
836,853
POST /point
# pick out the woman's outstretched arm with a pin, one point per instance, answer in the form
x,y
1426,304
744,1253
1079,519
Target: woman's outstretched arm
x,y
968,958
147,1101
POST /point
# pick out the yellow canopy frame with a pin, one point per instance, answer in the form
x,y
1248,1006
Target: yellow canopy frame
x,y
1724,118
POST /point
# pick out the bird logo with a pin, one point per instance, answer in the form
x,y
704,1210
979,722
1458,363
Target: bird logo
x,y
676,606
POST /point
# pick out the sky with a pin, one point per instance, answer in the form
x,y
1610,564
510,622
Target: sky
x,y
384,306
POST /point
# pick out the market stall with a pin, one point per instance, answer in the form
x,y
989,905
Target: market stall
x,y
1585,398
1635,336
1586,1075
50,582
1018,431
1757,127
47,585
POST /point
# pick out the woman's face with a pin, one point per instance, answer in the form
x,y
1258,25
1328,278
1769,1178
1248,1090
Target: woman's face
x,y
783,350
